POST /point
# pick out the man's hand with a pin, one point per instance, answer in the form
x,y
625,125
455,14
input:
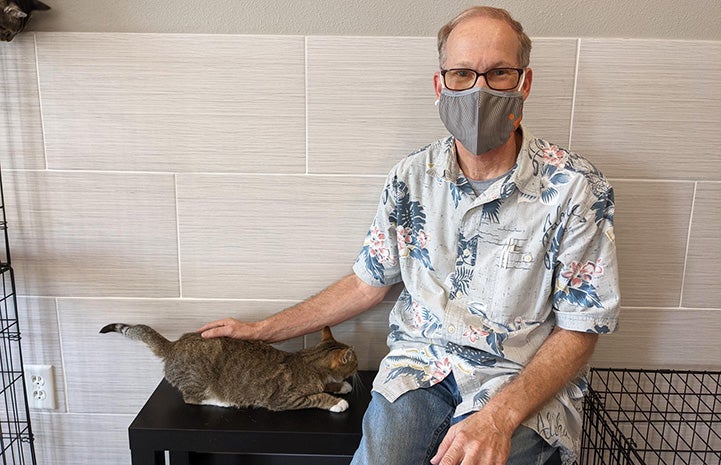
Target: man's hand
x,y
229,327
477,440
484,438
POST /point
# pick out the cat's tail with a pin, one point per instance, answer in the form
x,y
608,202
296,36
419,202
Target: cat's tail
x,y
157,343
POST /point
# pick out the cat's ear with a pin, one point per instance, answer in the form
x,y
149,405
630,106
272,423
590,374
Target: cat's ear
x,y
342,357
326,334
348,355
38,5
14,11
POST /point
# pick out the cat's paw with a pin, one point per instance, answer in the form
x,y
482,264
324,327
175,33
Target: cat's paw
x,y
345,388
216,402
341,406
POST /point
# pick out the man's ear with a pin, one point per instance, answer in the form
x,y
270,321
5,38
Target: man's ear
x,y
527,81
437,84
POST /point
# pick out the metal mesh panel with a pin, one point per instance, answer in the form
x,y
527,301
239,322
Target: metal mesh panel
x,y
16,438
652,417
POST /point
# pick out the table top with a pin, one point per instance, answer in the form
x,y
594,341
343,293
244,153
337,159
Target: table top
x,y
167,423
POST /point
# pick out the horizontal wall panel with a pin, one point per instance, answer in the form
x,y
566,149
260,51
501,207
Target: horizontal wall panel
x,y
370,102
663,338
167,102
651,223
38,320
71,439
270,236
21,133
129,370
650,109
547,110
702,283
93,234
370,99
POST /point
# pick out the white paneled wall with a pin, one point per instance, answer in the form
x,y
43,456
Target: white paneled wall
x,y
192,103
93,234
650,109
174,179
275,236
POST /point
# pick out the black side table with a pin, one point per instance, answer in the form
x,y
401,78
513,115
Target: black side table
x,y
208,435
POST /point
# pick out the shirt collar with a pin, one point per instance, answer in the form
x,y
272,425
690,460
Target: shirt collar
x,y
525,174
444,163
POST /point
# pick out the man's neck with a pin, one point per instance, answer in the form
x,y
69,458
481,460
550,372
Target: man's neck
x,y
491,164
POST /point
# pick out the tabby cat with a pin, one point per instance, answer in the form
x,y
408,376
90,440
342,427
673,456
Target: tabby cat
x,y
15,14
237,373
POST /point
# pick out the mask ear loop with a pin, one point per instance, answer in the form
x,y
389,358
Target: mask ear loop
x,y
523,79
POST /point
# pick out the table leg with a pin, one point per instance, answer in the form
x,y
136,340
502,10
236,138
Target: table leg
x,y
179,457
147,457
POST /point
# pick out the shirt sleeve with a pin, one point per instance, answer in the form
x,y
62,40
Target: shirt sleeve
x,y
586,295
377,262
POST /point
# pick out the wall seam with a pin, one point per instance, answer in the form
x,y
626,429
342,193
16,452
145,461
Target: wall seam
x,y
305,102
66,391
40,99
573,95
177,234
688,245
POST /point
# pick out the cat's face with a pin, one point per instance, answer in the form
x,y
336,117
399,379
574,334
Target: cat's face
x,y
14,16
342,358
344,362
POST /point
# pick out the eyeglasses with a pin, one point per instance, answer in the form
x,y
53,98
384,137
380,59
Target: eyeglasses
x,y
496,78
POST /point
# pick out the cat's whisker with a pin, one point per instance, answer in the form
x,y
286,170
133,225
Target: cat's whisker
x,y
357,383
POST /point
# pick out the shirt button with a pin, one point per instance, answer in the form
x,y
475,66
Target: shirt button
x,y
528,258
451,329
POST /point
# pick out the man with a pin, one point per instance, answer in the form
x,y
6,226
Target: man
x,y
505,246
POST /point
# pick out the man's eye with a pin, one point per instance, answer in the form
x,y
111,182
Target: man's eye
x,y
500,72
461,73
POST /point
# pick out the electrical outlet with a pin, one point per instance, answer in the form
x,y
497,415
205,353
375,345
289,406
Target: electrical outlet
x,y
40,386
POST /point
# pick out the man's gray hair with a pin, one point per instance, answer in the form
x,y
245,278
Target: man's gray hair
x,y
524,42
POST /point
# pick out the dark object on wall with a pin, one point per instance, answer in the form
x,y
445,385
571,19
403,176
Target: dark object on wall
x,y
15,14
16,437
667,417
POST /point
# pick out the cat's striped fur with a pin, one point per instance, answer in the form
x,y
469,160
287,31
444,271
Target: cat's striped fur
x,y
238,373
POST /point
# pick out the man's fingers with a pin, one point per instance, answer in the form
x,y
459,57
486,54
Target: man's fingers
x,y
214,332
211,325
216,329
453,455
442,448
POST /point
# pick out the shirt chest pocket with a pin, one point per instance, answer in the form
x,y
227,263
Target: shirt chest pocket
x,y
508,278
515,254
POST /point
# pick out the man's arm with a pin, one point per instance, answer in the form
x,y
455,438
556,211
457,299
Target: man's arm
x,y
485,436
339,302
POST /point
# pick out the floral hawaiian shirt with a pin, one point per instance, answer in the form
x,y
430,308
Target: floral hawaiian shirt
x,y
488,277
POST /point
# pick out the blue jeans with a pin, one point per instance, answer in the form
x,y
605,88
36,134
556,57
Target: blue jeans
x,y
409,430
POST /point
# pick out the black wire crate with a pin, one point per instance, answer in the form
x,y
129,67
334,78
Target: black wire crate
x,y
649,417
15,434
16,437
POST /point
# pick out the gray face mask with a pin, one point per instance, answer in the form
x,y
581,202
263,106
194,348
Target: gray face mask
x,y
481,119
